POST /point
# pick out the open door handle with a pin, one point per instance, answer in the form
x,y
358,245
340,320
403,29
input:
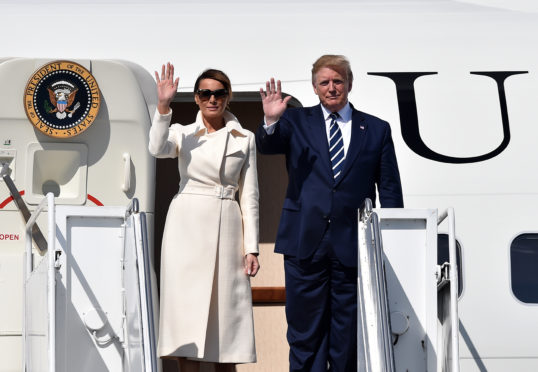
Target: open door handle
x,y
126,186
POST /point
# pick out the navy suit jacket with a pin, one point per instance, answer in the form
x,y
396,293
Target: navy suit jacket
x,y
313,198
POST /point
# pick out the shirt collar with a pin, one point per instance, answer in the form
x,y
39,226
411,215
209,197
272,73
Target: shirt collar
x,y
345,112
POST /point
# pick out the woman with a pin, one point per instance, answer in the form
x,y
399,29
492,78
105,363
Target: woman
x,y
210,243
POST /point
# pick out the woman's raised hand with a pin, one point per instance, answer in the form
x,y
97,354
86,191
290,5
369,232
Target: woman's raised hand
x,y
166,87
273,104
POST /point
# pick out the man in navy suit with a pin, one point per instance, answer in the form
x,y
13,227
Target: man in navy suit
x,y
335,157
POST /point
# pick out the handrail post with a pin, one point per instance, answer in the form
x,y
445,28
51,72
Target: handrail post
x,y
52,281
132,207
453,289
366,207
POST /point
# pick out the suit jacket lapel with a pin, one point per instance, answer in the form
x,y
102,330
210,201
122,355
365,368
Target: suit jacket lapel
x,y
318,131
358,134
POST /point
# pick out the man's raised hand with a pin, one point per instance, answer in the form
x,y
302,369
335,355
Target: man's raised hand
x,y
273,104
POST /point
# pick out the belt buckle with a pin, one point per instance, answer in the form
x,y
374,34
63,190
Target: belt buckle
x,y
219,191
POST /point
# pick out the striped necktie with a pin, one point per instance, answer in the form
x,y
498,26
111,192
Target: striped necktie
x,y
336,146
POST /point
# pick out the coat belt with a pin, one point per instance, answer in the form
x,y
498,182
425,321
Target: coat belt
x,y
218,191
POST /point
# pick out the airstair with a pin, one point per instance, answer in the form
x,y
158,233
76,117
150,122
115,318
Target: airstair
x,y
407,301
88,301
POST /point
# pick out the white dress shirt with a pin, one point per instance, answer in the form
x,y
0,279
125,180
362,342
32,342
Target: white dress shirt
x,y
343,121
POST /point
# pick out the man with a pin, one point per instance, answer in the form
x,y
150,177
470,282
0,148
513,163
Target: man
x,y
335,156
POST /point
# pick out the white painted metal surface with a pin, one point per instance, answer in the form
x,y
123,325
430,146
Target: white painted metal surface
x,y
374,338
410,246
103,295
40,297
36,331
89,282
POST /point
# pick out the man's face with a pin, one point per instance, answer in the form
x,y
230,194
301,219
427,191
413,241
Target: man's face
x,y
332,88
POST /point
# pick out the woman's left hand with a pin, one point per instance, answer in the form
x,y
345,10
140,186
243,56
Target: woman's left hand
x,y
252,266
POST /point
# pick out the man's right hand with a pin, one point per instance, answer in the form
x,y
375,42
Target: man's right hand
x,y
166,88
273,104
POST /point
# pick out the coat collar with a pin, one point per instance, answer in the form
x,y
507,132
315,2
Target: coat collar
x,y
231,125
316,122
234,140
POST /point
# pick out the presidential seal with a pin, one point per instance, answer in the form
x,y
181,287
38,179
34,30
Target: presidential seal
x,y
62,99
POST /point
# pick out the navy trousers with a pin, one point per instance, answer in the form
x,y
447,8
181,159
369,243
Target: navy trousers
x,y
321,311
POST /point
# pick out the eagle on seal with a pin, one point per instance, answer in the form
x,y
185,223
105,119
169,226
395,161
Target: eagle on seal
x,y
62,95
62,100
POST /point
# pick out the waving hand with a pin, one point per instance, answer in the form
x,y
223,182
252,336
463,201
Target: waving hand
x,y
273,104
166,87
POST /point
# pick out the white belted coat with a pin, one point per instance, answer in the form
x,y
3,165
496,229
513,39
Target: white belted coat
x,y
206,301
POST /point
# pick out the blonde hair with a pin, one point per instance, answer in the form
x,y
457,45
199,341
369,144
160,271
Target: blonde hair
x,y
334,61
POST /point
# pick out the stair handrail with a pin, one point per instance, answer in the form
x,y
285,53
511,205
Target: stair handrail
x,y
382,340
48,202
454,285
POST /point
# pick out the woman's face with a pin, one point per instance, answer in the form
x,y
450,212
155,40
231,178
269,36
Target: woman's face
x,y
212,100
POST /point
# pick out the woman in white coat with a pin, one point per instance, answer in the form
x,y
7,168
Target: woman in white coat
x,y
210,242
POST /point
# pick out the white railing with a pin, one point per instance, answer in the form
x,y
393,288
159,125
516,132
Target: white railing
x,y
374,338
453,276
29,271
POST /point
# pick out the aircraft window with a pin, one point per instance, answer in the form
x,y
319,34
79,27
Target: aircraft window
x,y
523,267
442,257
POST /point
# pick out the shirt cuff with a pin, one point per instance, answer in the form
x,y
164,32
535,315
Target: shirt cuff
x,y
164,116
269,128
